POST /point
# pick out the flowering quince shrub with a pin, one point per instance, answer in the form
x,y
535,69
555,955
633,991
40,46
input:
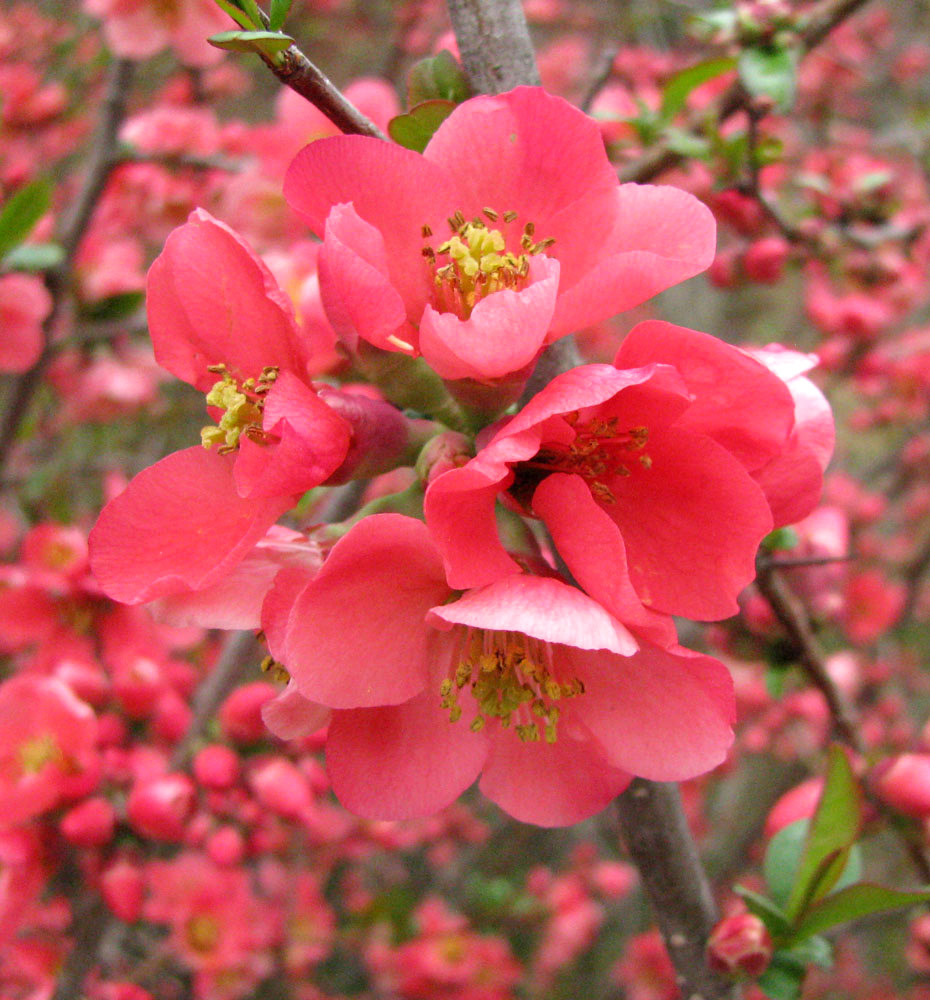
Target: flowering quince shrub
x,y
405,421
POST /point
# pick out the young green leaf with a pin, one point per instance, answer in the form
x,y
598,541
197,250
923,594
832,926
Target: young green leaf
x,y
853,902
834,827
239,16
783,979
438,78
277,14
21,212
415,129
679,87
267,43
34,257
770,72
768,912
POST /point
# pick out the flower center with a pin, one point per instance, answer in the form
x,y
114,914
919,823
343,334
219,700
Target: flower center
x,y
242,404
39,752
203,932
512,679
600,453
474,262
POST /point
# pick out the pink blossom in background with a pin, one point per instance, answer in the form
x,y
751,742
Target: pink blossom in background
x,y
24,306
138,29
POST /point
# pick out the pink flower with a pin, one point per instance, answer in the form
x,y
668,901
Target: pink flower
x,y
219,321
643,472
528,682
47,738
137,29
494,242
24,306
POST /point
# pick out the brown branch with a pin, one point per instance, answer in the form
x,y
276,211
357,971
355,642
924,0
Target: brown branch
x,y
795,621
657,837
296,70
600,76
494,43
104,157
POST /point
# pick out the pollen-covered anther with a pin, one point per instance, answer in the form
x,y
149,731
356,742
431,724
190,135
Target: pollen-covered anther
x,y
475,262
512,679
242,405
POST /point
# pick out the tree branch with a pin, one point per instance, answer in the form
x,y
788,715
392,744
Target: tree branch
x,y
494,43
302,76
104,157
657,837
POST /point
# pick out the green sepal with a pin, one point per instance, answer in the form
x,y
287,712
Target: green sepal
x,y
438,78
21,212
415,129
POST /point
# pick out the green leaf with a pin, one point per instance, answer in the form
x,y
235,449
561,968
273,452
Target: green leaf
x,y
415,129
770,72
834,827
34,257
679,87
266,43
439,78
686,143
251,10
239,16
853,902
781,538
783,979
783,858
21,212
279,11
768,912
114,306
775,676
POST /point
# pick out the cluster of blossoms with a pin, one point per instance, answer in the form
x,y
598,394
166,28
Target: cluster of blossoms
x,y
521,629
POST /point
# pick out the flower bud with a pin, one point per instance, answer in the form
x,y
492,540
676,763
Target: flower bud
x,y
241,713
904,784
159,807
123,887
89,824
445,451
740,945
216,767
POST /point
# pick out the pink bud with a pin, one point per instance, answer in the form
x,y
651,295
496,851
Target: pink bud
x,y
740,945
172,717
279,786
904,784
445,451
216,767
241,713
159,807
799,803
89,824
226,846
122,887
765,260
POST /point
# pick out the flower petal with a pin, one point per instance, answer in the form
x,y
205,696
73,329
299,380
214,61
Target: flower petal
x,y
184,525
401,761
356,635
666,715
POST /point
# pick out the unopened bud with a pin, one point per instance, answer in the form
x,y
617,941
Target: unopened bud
x,y
740,945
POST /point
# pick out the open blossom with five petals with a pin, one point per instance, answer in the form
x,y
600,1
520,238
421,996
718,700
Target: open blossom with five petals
x,y
643,472
528,682
219,321
495,241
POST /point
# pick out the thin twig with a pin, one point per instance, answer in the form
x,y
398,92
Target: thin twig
x,y
296,70
794,619
104,158
600,76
